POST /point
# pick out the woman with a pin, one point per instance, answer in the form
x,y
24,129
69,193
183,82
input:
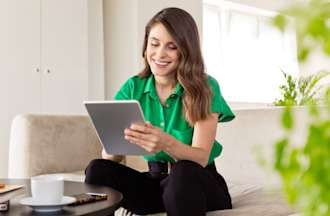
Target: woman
x,y
182,105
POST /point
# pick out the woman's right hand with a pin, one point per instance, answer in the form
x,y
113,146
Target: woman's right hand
x,y
115,158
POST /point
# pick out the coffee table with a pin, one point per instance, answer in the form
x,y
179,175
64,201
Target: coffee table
x,y
100,208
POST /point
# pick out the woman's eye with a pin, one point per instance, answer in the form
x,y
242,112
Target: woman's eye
x,y
173,47
153,44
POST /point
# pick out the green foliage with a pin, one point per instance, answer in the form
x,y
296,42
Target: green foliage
x,y
312,26
287,119
280,22
300,91
305,169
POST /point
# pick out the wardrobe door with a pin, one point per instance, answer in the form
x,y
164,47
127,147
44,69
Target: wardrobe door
x,y
64,44
19,65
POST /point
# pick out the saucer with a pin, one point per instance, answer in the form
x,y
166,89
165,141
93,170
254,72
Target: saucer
x,y
47,207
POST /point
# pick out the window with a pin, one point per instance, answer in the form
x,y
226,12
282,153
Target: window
x,y
245,52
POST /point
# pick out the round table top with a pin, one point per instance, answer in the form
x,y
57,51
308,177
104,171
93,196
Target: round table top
x,y
101,208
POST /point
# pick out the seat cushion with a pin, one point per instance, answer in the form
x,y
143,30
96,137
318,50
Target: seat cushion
x,y
247,199
255,200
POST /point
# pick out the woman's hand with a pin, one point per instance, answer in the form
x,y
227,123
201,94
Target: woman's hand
x,y
149,137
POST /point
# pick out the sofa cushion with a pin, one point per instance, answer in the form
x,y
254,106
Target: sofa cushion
x,y
42,144
247,199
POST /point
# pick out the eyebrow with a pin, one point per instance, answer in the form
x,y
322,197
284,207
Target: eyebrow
x,y
156,39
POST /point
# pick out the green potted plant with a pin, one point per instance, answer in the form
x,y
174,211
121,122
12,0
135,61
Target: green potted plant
x,y
300,91
305,168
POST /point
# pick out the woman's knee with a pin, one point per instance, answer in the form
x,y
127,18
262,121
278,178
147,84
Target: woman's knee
x,y
96,169
94,165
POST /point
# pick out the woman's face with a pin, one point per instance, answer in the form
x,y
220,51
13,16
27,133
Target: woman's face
x,y
162,52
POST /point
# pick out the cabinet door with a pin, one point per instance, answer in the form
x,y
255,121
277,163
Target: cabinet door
x,y
19,61
64,27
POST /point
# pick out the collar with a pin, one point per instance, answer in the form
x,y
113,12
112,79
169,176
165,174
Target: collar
x,y
151,89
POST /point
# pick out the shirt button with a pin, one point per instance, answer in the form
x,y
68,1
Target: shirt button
x,y
167,105
162,124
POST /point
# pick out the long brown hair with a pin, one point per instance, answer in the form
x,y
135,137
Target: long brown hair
x,y
190,72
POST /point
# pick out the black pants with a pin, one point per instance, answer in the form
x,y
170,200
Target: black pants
x,y
189,189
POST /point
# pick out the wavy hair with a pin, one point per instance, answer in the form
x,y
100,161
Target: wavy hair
x,y
190,72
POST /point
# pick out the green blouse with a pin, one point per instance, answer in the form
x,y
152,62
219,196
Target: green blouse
x,y
169,117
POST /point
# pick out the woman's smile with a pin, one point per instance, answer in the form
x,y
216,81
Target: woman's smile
x,y
161,63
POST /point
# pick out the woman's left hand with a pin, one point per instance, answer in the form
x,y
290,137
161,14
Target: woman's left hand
x,y
149,137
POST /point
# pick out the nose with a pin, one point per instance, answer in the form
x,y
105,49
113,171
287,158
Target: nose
x,y
161,52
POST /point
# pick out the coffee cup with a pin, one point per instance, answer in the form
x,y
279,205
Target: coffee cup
x,y
47,189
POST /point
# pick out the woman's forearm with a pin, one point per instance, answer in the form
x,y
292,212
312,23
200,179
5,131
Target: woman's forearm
x,y
202,142
180,151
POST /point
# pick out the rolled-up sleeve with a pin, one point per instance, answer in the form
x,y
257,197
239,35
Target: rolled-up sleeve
x,y
218,104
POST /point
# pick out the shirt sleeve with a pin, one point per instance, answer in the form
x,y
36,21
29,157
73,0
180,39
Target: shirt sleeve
x,y
218,104
125,91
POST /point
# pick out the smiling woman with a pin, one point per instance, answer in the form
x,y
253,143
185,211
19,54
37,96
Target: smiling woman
x,y
182,106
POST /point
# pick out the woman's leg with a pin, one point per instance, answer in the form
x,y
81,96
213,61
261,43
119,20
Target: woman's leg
x,y
193,190
141,193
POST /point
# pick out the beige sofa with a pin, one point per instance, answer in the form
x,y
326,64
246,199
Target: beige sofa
x,y
63,145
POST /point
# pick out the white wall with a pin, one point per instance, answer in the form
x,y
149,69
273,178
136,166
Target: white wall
x,y
18,55
124,23
96,80
120,42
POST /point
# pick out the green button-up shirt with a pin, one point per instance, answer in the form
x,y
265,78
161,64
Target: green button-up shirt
x,y
169,117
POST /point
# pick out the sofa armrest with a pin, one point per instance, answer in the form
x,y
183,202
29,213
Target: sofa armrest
x,y
41,144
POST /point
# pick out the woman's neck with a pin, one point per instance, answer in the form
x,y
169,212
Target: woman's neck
x,y
165,84
164,88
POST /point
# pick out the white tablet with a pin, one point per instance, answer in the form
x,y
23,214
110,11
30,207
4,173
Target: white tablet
x,y
110,118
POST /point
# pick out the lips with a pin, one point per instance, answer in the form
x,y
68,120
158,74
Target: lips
x,y
161,63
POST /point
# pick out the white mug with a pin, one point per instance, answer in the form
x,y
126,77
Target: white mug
x,y
47,189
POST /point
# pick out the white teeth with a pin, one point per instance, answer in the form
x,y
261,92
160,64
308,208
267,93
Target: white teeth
x,y
161,63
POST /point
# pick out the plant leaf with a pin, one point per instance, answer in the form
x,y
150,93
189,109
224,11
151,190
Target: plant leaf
x,y
287,118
